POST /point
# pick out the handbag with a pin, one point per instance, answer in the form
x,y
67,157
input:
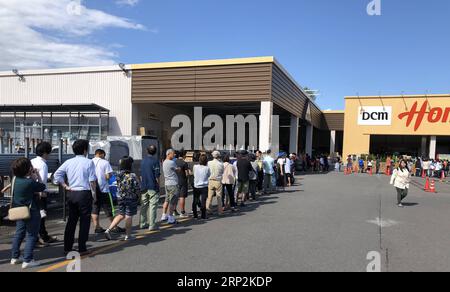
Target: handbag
x,y
19,213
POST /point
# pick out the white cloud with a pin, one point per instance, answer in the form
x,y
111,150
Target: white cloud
x,y
50,33
127,2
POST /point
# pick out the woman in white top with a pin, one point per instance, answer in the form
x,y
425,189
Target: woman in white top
x,y
201,181
401,179
228,181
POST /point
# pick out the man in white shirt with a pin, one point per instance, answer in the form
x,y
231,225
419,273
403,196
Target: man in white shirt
x,y
39,163
103,172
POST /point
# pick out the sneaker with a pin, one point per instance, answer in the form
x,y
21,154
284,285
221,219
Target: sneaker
x,y
30,265
144,226
41,244
51,239
117,229
400,205
129,238
108,235
171,220
43,214
99,230
164,218
175,213
184,215
18,261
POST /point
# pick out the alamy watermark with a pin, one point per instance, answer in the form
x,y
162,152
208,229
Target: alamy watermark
x,y
75,265
374,258
374,8
224,134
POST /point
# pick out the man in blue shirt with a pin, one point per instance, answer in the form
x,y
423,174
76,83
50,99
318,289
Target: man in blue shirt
x,y
268,167
150,173
81,193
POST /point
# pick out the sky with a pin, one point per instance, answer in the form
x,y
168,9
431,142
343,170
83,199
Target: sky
x,y
328,45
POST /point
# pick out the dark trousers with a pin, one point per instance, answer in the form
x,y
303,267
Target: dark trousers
x,y
418,172
260,181
200,197
229,189
43,234
80,209
401,194
252,189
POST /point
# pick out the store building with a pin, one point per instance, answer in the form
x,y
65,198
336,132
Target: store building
x,y
416,125
148,96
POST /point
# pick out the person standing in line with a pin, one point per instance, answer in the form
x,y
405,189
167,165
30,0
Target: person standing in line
x,y
269,172
24,192
170,170
39,163
361,165
244,168
369,165
259,160
337,165
253,183
150,173
228,182
288,171
103,172
215,183
201,180
81,194
281,177
128,198
418,167
401,179
183,184
349,164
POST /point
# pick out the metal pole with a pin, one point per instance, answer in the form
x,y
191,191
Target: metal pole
x,y
62,192
27,147
42,126
1,145
15,132
100,126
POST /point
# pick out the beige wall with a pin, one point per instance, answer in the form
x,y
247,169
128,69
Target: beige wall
x,y
357,138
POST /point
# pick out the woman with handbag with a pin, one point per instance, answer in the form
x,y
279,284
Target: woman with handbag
x,y
25,211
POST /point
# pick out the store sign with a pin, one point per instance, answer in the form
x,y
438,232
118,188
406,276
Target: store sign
x,y
375,116
425,114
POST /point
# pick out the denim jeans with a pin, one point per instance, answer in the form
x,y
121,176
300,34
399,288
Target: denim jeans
x,y
29,229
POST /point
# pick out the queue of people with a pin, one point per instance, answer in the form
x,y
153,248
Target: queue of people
x,y
231,181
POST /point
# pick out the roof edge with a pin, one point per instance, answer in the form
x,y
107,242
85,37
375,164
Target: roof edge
x,y
202,63
31,72
399,96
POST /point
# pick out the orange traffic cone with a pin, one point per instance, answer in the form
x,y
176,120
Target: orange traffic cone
x,y
427,185
432,187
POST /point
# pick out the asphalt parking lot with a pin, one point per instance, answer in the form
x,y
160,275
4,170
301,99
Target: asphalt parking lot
x,y
327,222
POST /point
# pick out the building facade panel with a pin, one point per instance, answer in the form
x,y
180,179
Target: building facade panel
x,y
109,89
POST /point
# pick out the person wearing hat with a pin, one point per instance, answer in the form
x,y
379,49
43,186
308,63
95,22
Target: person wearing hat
x,y
215,182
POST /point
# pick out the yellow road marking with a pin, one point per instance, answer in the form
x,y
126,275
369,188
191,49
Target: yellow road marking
x,y
100,250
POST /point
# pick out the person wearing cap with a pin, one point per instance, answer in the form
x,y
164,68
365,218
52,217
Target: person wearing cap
x,y
215,182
